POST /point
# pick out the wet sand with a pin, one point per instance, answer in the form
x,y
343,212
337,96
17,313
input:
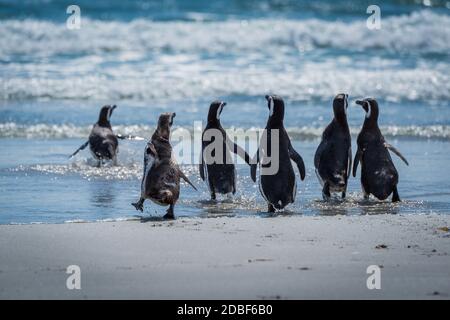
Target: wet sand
x,y
302,257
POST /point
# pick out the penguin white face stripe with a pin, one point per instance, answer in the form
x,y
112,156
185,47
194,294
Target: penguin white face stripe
x,y
271,106
369,112
345,104
219,110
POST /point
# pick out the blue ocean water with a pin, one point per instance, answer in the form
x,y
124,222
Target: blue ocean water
x,y
150,57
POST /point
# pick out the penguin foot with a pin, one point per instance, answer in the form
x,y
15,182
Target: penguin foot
x,y
139,205
271,208
326,195
169,216
253,172
343,195
395,196
169,213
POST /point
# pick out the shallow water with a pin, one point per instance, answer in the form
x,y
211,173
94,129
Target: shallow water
x,y
39,184
149,58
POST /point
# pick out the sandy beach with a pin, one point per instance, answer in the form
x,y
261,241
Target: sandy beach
x,y
304,257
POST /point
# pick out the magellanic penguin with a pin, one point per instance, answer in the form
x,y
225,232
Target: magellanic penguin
x,y
278,188
220,174
103,143
378,174
333,158
161,179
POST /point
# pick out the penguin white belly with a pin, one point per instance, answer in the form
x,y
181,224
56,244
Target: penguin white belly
x,y
260,186
319,178
294,192
150,161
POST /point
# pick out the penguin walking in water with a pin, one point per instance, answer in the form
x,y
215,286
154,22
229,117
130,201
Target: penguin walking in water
x,y
219,174
378,173
333,158
278,188
102,142
161,179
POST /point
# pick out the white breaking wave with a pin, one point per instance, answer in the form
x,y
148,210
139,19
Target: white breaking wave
x,y
146,60
47,131
422,32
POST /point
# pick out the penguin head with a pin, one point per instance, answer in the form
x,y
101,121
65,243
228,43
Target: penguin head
x,y
165,122
276,108
215,109
370,106
105,115
340,105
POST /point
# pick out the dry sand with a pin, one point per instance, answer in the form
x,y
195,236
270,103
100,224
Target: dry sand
x,y
230,258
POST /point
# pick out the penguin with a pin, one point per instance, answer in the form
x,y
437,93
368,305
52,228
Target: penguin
x,y
333,158
378,173
161,179
102,142
278,189
220,176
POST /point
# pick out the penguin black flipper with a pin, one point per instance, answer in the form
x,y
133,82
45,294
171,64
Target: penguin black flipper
x,y
243,154
394,150
183,176
238,150
253,167
298,160
201,168
82,147
358,157
128,137
320,149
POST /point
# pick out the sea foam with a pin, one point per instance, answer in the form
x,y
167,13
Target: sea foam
x,y
47,131
407,59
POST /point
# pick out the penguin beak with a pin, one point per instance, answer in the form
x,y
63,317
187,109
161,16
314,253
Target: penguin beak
x,y
360,102
268,97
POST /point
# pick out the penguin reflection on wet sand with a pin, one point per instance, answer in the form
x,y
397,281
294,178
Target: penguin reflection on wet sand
x,y
103,143
278,189
220,176
378,173
333,158
161,179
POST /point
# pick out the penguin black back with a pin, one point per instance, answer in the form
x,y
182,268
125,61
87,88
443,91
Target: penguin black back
x,y
333,156
103,142
378,173
219,174
278,188
161,179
